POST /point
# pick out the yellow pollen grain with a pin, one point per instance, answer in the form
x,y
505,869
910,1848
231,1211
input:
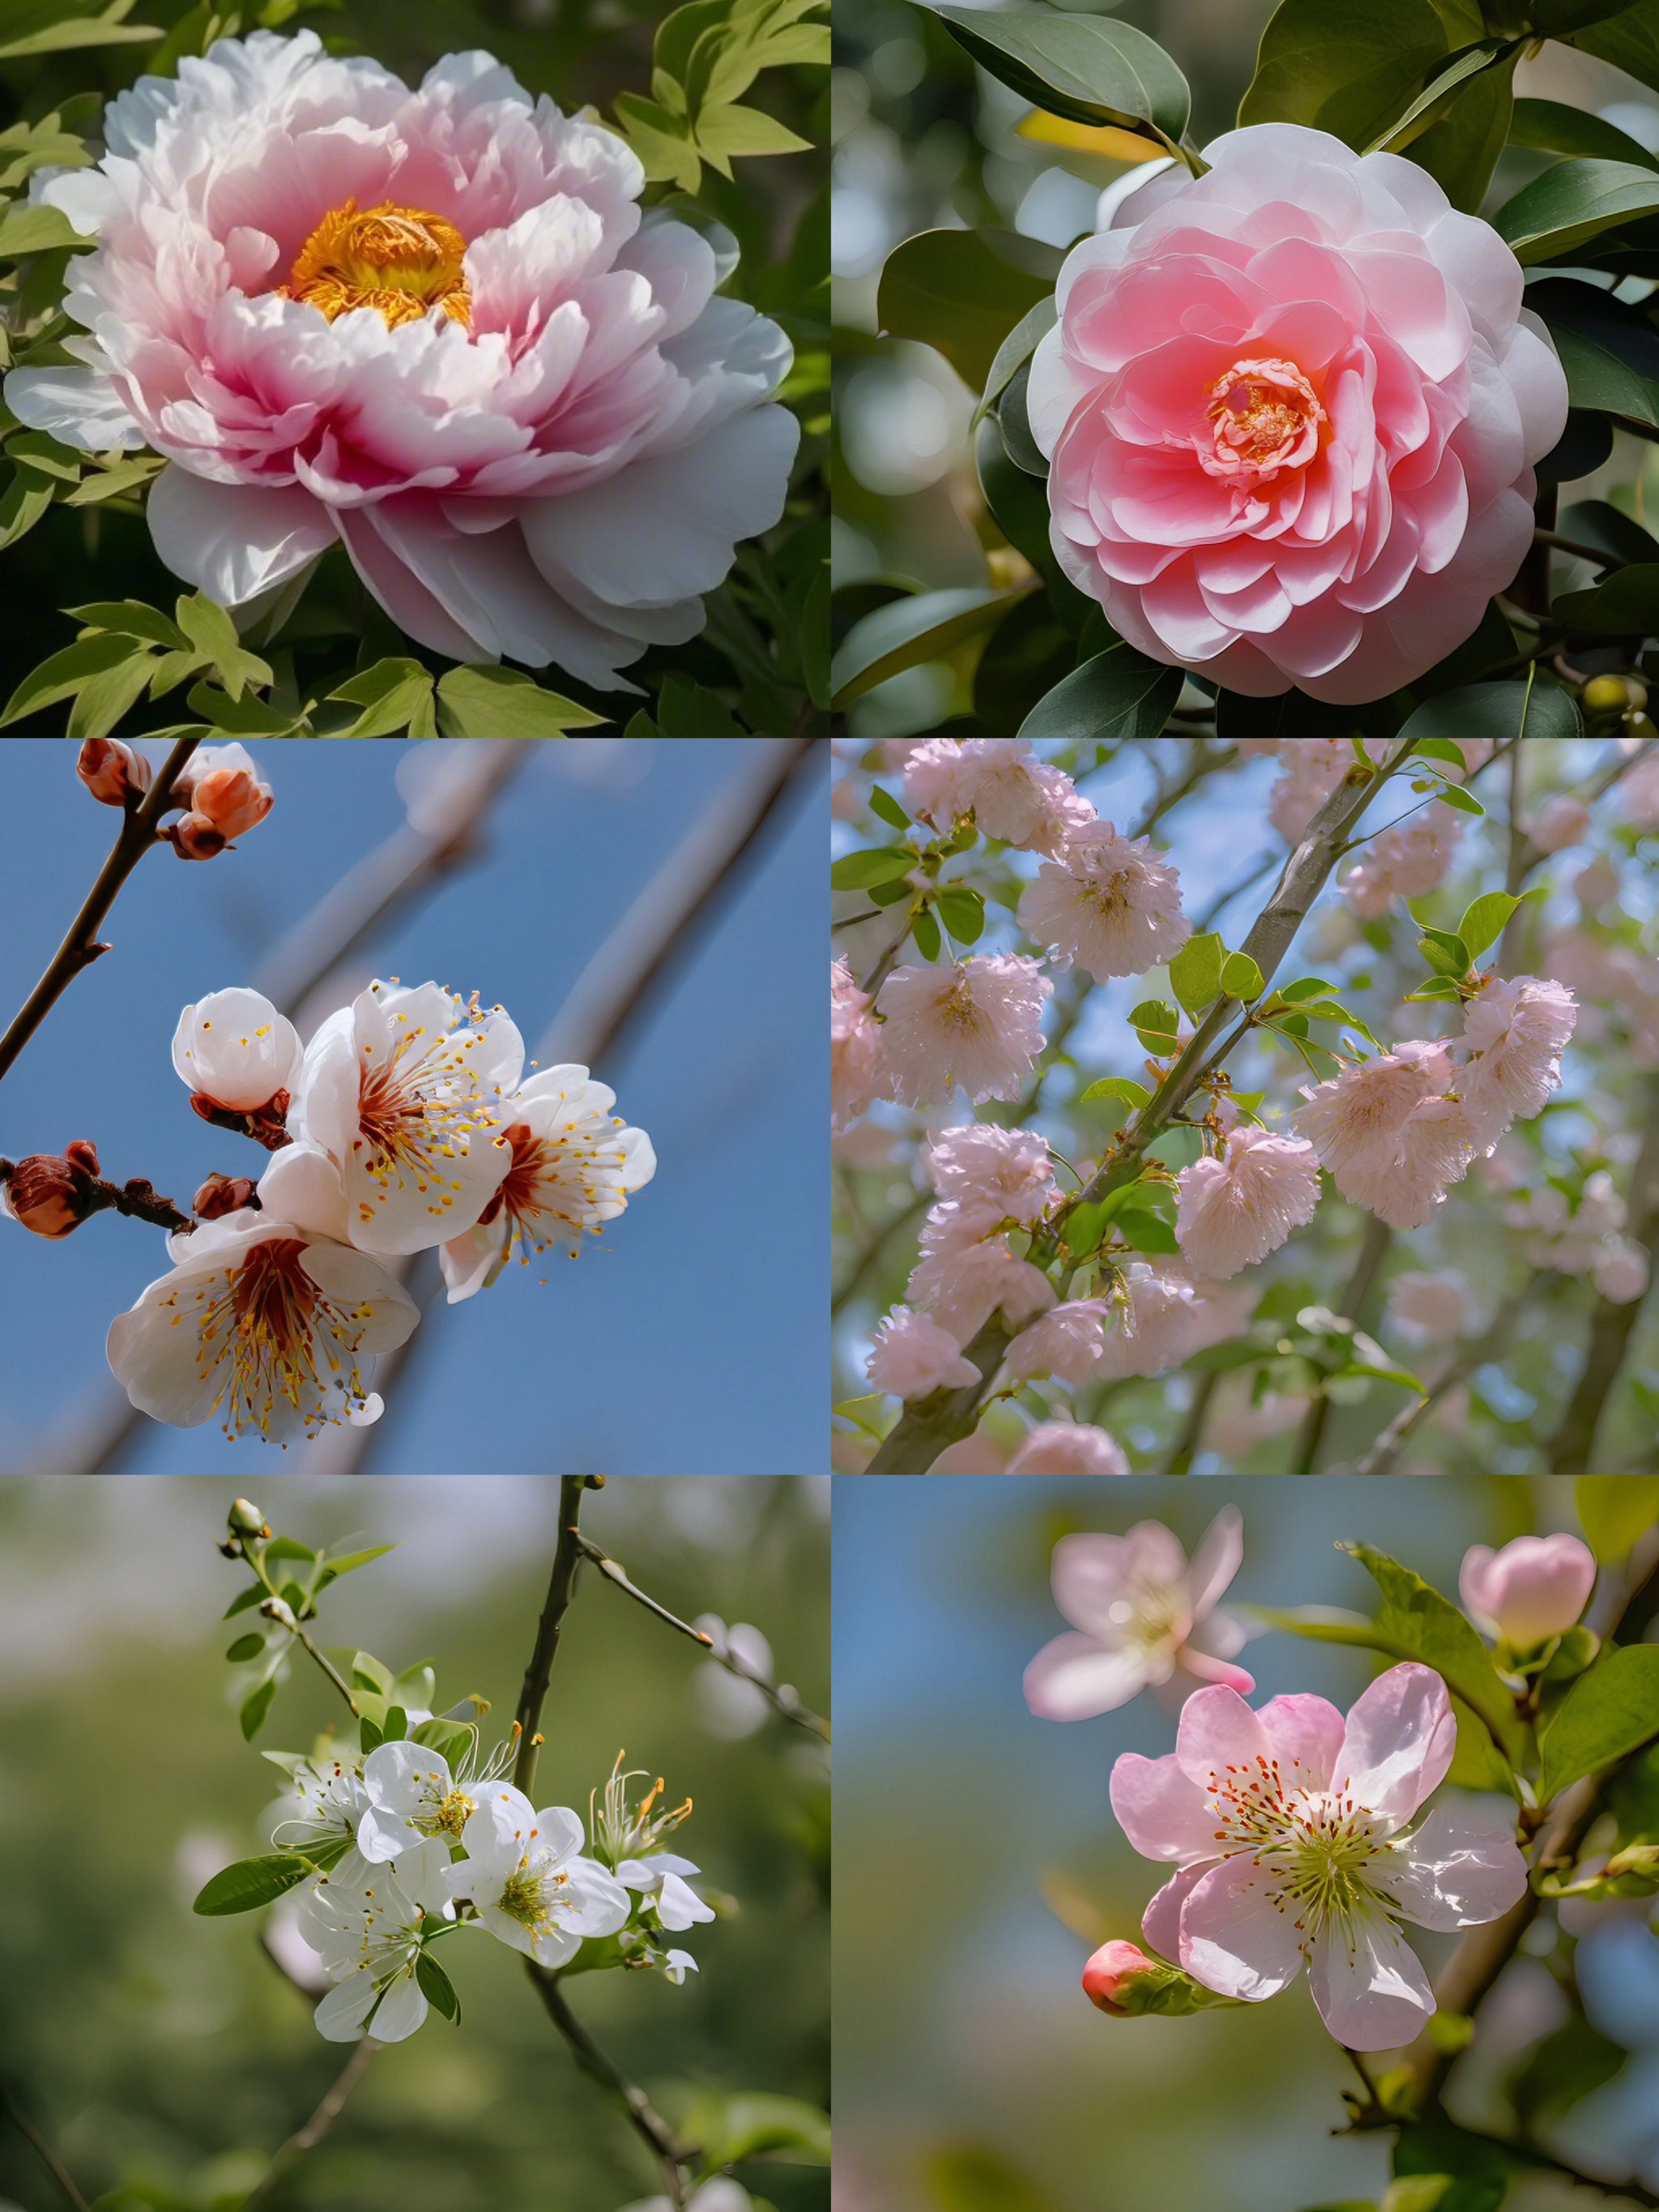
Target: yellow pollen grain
x,y
403,262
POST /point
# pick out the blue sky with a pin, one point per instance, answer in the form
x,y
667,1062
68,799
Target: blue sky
x,y
690,1340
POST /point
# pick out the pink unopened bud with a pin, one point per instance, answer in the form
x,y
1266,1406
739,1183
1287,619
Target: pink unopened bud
x,y
195,838
1534,1589
112,772
222,1194
222,788
1112,1966
50,1193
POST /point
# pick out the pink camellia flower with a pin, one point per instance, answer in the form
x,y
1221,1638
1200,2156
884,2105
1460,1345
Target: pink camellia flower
x,y
1428,1309
435,326
1517,1029
1142,1612
1109,1972
1109,902
1559,821
1067,1342
1068,1448
1007,1171
1389,1132
911,1356
854,1049
1234,1210
1011,796
977,1023
1404,862
1288,1829
1533,1588
1291,408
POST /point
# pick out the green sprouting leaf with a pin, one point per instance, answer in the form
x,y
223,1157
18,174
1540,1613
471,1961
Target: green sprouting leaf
x,y
1156,1023
212,633
436,1987
1116,1086
1614,1510
72,30
1548,220
923,928
255,1707
1555,128
1441,749
64,673
962,912
246,717
252,1595
1305,987
103,699
36,450
245,1648
1402,1376
1484,920
451,1740
394,695
1623,605
131,618
963,292
1441,986
1465,802
1143,1231
488,702
1445,953
920,626
1420,1624
1195,972
1612,1709
855,872
727,133
1241,978
1351,72
251,1883
368,1673
1091,68
883,803
1118,693
348,1562
661,140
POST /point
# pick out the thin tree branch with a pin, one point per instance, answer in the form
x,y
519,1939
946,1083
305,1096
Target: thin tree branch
x,y
308,2137
642,2116
789,1706
1381,1456
567,1556
1185,1447
80,947
1533,2154
11,2110
1372,1253
1572,1450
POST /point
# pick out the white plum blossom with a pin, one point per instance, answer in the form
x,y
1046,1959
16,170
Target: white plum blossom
x,y
1515,1032
364,1922
1110,904
411,1795
1065,1448
1068,1341
1289,1830
528,1882
659,1877
234,1048
1390,1134
1142,1612
911,1356
1429,1309
854,1049
1234,1210
1017,800
324,1802
263,1323
977,1023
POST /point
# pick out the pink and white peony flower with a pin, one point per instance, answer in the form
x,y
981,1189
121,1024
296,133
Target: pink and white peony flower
x,y
1516,1030
1012,797
528,1882
911,1356
1535,1587
977,1023
435,326
1068,1341
1390,1134
1109,902
1429,1309
234,1049
1234,1210
1291,408
1289,1831
1064,1448
1008,1171
265,1325
1141,1613
854,1049
1404,862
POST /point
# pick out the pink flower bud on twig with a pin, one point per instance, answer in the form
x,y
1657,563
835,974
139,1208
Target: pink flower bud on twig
x,y
222,787
1108,1972
51,1193
112,772
222,1194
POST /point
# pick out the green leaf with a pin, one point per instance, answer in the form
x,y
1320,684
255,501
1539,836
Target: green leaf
x,y
1145,1231
689,709
1551,218
1021,343
1442,987
920,626
883,803
1090,68
724,134
1614,1510
1446,954
662,141
1465,802
34,449
103,699
1596,352
1557,129
1352,71
1562,2070
1241,978
1480,2170
349,1562
72,31
923,928
1484,922
1626,604
1116,1086
489,702
23,501
251,1596
1195,972
130,618
246,717
213,633
1156,1023
451,1740
962,912
1490,710
1612,1709
1402,1376
854,871
64,673
756,2124
1117,694
1417,2192
1084,1226
1597,522
1422,1624
1461,147
253,1882
255,1707
1437,93
394,695
1305,987
436,1987
963,292
1441,749
245,1648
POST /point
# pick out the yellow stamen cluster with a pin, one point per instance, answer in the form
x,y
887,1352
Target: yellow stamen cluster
x,y
415,1111
262,1325
402,261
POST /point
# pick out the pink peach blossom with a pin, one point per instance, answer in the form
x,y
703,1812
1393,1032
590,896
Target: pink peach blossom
x,y
1534,1588
1109,903
977,1023
1288,1828
854,1049
912,1355
1559,821
1516,1030
435,326
1391,1135
1012,797
1067,1342
1234,1210
1140,1611
1291,408
1068,1448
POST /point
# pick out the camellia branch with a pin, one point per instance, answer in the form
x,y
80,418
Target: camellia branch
x,y
786,1703
924,1429
80,948
307,2137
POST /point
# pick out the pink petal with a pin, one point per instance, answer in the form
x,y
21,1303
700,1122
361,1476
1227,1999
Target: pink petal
x,y
1161,1922
1457,1870
1158,1809
1075,1677
1368,1985
1217,1731
1237,1935
1216,1558
1399,1740
1305,1733
234,541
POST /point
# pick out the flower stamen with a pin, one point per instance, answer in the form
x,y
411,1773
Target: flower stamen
x,y
402,261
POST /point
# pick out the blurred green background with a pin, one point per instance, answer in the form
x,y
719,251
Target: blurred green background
x,y
971,2073
164,2050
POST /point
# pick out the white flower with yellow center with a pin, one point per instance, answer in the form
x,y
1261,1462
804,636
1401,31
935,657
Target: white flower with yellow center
x,y
528,1883
365,1924
324,1802
410,1794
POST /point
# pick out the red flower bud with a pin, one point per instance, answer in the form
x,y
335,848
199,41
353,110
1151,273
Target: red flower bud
x,y
222,1194
195,838
112,772
51,1193
1107,1973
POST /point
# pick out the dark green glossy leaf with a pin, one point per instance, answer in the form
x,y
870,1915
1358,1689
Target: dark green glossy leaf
x,y
436,1988
1090,68
1573,203
1352,71
1118,693
1494,710
921,627
1558,128
251,1883
964,292
1420,1624
1612,1709
1623,605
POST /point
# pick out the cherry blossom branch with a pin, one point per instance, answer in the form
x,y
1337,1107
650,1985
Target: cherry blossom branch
x,y
80,948
1373,1251
12,2110
308,2137
1573,1450
782,1701
561,1584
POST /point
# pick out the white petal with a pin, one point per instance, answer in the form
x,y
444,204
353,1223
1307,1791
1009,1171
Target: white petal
x,y
302,1186
1399,1740
1075,1677
233,541
403,2009
79,407
341,2014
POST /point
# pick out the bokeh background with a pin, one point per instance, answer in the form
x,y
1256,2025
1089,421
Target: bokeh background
x,y
922,142
161,2050
688,1340
971,2074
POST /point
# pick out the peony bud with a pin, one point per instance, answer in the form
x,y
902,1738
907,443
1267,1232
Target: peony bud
x,y
224,790
222,1194
112,772
51,1193
1534,1589
1109,1970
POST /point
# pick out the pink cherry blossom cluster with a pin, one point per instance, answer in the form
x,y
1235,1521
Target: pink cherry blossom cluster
x,y
1012,797
1583,1238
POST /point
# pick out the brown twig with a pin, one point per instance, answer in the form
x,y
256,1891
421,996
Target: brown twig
x,y
308,2137
137,1199
567,1556
643,2117
10,2109
1573,1450
1373,1251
